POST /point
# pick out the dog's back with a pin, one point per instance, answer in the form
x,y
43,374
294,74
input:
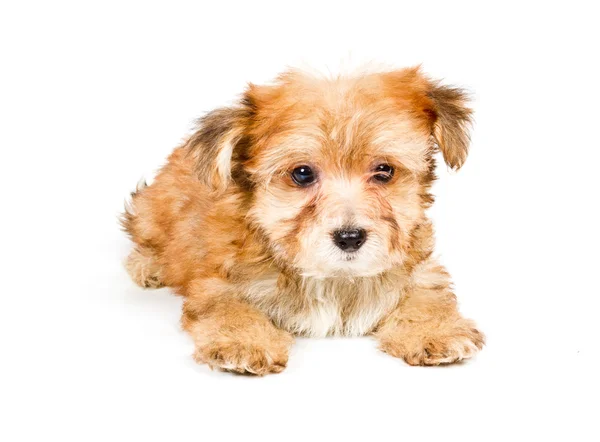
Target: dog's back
x,y
175,222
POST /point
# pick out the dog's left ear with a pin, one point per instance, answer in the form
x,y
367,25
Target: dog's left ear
x,y
451,121
443,109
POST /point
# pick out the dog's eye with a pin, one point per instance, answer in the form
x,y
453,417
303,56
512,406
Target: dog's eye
x,y
383,173
303,175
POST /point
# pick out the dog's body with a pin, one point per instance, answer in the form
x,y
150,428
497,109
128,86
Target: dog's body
x,y
302,211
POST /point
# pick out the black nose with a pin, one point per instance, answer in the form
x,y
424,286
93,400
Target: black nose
x,y
349,240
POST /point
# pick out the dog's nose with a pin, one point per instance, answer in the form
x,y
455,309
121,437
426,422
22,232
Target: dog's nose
x,y
349,240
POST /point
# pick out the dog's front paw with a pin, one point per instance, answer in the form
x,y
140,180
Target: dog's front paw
x,y
434,343
257,358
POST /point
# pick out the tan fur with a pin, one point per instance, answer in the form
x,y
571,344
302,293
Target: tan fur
x,y
225,225
143,268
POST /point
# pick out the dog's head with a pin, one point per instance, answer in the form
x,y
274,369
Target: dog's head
x,y
338,169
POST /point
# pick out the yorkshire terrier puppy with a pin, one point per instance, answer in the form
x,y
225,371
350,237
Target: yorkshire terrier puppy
x,y
301,211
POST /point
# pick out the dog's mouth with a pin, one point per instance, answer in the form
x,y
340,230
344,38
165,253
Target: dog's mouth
x,y
346,265
349,256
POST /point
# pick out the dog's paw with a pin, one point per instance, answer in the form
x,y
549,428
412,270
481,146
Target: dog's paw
x,y
245,357
434,344
143,268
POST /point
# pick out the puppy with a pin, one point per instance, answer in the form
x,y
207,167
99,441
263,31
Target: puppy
x,y
301,211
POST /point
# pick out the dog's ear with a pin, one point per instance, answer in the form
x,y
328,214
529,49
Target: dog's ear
x,y
215,143
442,109
451,122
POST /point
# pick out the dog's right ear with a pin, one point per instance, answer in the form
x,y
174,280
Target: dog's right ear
x,y
214,143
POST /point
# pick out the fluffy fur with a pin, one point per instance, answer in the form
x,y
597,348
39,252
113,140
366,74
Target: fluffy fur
x,y
224,224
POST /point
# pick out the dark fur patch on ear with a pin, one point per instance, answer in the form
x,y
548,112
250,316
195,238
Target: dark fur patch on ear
x,y
239,174
214,142
248,100
452,121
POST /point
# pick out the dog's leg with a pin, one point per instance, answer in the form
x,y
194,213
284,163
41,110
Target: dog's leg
x,y
426,327
231,335
142,266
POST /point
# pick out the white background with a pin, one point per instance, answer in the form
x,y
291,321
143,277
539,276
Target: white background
x,y
94,95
